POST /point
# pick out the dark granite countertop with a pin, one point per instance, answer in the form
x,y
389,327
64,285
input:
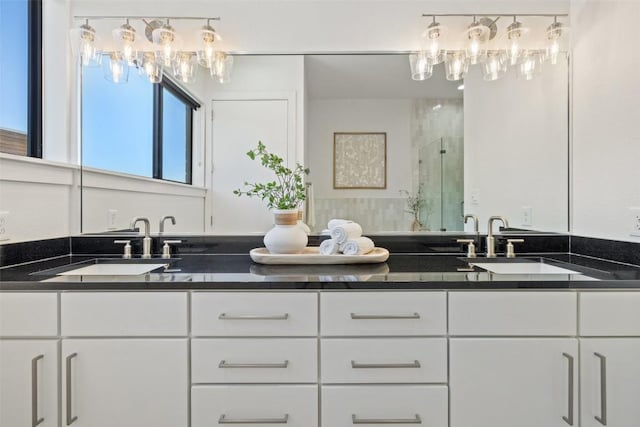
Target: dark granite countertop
x,y
402,271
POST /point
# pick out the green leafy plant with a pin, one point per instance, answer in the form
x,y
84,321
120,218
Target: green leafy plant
x,y
415,203
287,191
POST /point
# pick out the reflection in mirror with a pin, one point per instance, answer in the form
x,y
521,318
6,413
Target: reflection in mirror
x,y
452,147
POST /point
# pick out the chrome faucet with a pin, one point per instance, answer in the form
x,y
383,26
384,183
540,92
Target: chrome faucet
x,y
164,218
491,242
146,242
475,221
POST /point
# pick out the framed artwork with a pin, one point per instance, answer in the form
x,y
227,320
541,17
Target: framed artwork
x,y
360,160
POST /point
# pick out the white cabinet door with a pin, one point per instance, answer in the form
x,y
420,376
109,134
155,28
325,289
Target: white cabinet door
x,y
513,382
124,382
610,382
28,383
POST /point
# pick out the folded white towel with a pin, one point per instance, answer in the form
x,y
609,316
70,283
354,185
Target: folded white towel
x,y
333,223
329,247
345,232
357,246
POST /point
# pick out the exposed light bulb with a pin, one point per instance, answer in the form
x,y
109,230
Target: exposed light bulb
x,y
206,50
421,68
83,43
222,66
555,36
494,66
456,65
116,69
165,38
152,68
433,51
531,65
125,38
476,34
515,32
184,67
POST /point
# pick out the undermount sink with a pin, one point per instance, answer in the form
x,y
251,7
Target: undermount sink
x,y
113,269
523,267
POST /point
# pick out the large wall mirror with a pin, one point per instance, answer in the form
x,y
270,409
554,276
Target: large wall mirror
x,y
450,148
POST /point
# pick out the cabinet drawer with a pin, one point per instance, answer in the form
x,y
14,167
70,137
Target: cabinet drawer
x,y
383,313
512,313
344,406
261,360
254,314
610,313
124,314
28,314
390,360
295,406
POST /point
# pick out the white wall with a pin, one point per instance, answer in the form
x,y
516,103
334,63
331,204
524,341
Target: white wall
x,y
516,148
327,116
606,117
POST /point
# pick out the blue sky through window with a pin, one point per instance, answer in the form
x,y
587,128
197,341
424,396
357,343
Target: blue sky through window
x,y
174,128
13,65
117,123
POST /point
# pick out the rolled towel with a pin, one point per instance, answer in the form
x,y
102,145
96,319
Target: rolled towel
x,y
358,246
329,247
345,232
333,223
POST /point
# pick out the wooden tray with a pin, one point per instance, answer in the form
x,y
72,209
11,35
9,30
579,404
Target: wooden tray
x,y
311,255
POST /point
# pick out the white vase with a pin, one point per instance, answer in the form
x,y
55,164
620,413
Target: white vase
x,y
286,237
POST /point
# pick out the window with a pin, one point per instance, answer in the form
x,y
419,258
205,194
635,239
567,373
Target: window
x,y
21,77
137,127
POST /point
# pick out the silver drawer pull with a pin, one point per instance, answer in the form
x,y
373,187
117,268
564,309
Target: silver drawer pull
x,y
569,418
70,417
224,420
225,364
355,316
357,365
602,419
356,420
225,316
34,391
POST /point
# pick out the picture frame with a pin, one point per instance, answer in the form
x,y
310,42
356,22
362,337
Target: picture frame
x,y
360,160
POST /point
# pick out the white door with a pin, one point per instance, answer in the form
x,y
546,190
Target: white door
x,y
124,382
238,125
29,383
513,382
610,382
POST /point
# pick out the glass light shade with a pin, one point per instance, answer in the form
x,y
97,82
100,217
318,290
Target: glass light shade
x,y
433,50
531,65
116,69
494,66
222,67
151,68
513,37
475,47
124,38
556,41
166,41
421,68
184,67
84,41
456,65
206,53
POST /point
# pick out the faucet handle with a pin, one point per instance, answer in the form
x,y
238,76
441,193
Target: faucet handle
x,y
166,249
511,253
127,247
471,248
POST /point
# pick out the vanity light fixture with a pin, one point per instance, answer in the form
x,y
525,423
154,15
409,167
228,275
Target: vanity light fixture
x,y
116,68
456,65
83,45
207,37
164,51
556,35
494,65
184,67
433,34
515,32
477,34
421,68
165,40
531,65
125,39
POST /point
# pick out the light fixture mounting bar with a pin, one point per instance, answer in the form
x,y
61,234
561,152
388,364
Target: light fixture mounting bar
x,y
471,15
186,18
